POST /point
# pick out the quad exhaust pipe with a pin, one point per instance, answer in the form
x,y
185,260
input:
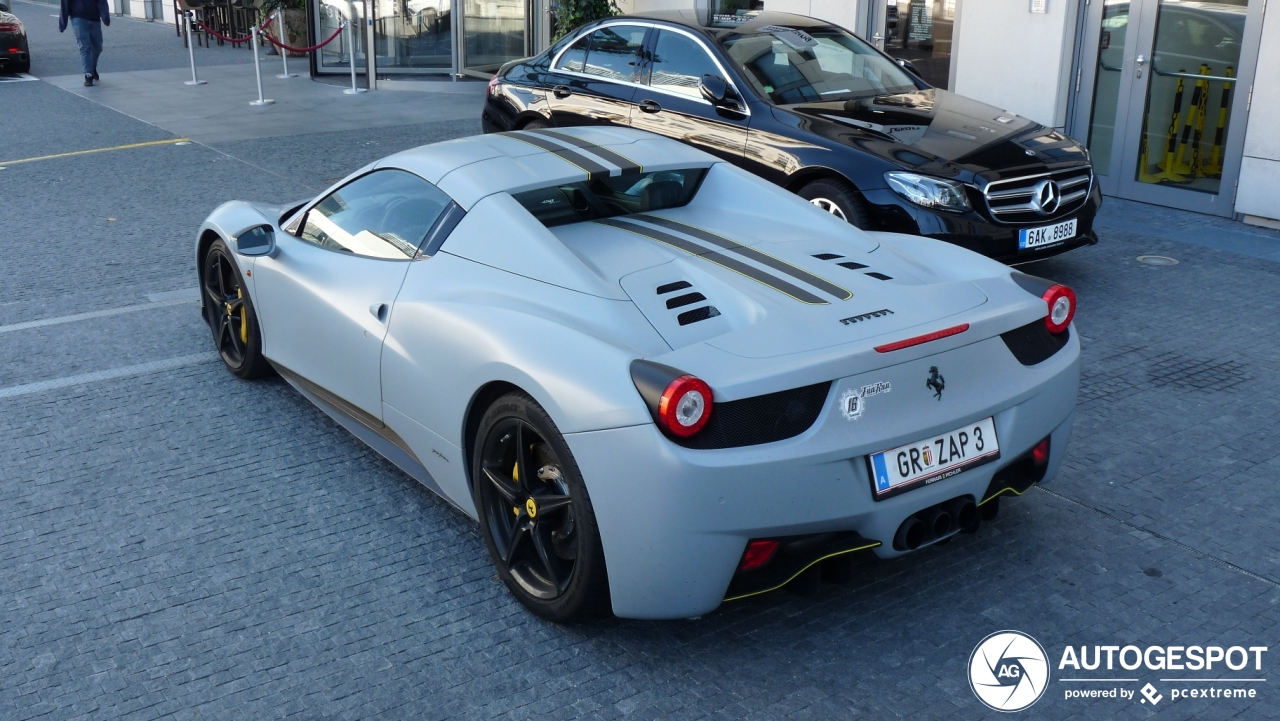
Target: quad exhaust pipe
x,y
936,522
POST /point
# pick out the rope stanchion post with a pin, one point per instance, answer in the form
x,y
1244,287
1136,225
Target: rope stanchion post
x,y
257,68
284,53
191,48
351,41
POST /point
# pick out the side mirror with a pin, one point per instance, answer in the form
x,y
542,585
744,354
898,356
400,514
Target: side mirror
x,y
256,240
714,89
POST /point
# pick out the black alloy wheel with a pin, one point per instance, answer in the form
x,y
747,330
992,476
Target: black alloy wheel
x,y
536,518
838,198
230,315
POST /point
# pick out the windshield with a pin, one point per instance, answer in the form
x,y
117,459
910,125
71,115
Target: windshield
x,y
611,196
793,66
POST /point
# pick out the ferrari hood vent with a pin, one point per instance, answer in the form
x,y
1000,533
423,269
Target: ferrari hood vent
x,y
675,301
852,265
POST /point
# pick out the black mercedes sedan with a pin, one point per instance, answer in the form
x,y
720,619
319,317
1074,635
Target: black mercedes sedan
x,y
812,107
15,57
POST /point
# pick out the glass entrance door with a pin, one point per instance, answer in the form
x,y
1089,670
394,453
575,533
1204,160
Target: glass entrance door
x,y
493,32
413,35
1165,123
918,31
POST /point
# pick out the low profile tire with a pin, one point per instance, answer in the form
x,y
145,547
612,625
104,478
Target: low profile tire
x,y
230,315
535,514
839,199
536,124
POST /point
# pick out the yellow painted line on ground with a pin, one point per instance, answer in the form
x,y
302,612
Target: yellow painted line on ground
x,y
171,141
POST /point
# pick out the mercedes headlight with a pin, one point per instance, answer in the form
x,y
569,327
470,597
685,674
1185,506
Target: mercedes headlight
x,y
932,193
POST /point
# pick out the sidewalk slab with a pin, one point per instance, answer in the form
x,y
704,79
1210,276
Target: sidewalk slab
x,y
219,111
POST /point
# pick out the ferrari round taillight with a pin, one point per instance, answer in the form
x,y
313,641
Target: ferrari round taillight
x,y
685,406
1062,307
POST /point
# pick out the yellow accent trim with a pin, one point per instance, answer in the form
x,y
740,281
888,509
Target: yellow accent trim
x,y
849,293
722,265
130,146
1005,490
806,568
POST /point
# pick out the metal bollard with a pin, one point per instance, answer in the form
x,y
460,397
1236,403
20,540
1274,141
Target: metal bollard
x,y
257,68
351,41
191,47
284,54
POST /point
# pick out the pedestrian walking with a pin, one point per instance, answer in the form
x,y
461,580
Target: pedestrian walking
x,y
87,18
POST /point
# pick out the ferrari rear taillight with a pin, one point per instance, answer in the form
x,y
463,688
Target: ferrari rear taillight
x,y
1061,301
757,554
685,406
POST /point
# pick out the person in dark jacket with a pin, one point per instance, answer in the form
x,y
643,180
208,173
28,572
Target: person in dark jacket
x,y
87,18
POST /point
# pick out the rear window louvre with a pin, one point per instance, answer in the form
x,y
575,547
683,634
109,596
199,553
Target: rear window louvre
x,y
673,287
697,314
686,299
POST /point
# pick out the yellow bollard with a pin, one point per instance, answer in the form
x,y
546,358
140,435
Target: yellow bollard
x,y
1167,165
1213,168
1182,165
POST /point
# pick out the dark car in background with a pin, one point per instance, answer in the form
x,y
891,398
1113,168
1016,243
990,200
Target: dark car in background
x,y
15,57
811,107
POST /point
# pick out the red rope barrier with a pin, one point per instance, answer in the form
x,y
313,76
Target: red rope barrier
x,y
292,49
220,36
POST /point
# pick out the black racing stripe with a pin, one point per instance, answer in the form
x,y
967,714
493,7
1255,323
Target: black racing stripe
x,y
779,265
592,168
733,264
626,164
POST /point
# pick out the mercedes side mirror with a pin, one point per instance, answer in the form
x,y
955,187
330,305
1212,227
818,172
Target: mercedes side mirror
x,y
714,89
256,240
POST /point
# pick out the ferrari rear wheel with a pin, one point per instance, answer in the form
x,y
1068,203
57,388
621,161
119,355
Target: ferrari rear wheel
x,y
535,514
230,315
839,199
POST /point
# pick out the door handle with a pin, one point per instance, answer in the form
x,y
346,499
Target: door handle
x,y
562,91
1138,67
379,311
650,106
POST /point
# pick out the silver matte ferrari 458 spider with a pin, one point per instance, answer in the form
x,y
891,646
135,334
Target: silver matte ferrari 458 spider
x,y
657,381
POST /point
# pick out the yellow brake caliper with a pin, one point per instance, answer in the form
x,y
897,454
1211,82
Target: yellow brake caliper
x,y
244,327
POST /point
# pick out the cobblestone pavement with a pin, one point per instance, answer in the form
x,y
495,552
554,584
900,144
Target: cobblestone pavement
x,y
178,543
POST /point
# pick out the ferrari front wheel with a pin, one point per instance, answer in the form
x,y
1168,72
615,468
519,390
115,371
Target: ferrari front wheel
x,y
535,513
230,315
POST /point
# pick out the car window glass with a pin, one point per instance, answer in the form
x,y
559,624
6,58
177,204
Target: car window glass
x,y
575,58
611,196
794,67
615,52
679,62
384,214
